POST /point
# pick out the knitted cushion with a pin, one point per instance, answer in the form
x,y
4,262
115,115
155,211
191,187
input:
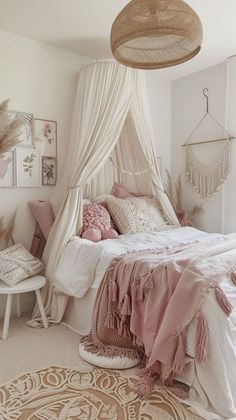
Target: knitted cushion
x,y
96,223
16,264
135,214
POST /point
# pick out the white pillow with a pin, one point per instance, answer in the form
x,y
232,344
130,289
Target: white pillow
x,y
102,198
135,214
16,264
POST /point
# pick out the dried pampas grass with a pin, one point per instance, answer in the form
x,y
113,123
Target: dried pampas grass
x,y
174,191
10,129
6,230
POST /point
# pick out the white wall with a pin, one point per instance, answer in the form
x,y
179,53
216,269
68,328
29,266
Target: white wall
x,y
159,91
188,106
42,80
229,196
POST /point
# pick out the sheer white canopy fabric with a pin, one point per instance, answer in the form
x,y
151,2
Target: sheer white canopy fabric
x,y
111,120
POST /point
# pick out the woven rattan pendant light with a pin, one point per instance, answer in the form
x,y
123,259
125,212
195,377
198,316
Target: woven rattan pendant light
x,y
152,34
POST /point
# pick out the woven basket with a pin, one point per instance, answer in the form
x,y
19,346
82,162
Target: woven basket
x,y
151,34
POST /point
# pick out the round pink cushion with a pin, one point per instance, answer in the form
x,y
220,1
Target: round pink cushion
x,y
109,234
92,234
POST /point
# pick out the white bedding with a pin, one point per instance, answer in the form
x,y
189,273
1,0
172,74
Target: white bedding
x,y
212,384
83,263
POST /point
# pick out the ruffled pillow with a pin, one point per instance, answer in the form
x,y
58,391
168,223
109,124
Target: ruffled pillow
x,y
97,223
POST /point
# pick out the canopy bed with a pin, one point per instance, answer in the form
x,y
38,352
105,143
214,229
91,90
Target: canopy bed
x,y
112,141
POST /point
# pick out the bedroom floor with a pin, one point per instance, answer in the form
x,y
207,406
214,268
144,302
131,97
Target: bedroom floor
x,y
27,349
30,349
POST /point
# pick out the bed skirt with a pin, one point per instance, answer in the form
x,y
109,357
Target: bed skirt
x,y
78,314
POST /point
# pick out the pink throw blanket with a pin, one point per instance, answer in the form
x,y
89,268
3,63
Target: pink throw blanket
x,y
147,300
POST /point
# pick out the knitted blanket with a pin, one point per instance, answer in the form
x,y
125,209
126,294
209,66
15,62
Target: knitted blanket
x,y
147,300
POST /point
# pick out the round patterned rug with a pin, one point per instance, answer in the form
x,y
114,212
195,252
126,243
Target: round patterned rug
x,y
90,394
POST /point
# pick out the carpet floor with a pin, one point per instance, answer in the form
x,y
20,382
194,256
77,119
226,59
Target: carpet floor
x,y
43,377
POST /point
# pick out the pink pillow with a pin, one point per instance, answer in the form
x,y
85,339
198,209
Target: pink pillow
x,y
43,214
120,191
113,226
97,223
92,234
110,234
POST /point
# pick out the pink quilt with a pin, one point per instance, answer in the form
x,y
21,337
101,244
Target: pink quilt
x,y
147,300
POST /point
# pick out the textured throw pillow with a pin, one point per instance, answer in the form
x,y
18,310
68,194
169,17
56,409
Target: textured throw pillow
x,y
97,223
16,264
136,214
101,199
43,214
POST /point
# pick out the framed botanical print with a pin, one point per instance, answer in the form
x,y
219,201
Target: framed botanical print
x,y
28,168
45,136
27,133
49,171
7,169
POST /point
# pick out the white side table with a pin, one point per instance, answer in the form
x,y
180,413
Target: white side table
x,y
28,285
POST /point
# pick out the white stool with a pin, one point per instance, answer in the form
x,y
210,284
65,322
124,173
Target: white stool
x,y
28,285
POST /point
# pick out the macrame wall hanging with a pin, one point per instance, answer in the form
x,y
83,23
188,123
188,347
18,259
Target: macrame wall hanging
x,y
206,180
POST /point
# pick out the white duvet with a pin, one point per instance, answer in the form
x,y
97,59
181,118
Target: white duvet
x,y
83,263
213,384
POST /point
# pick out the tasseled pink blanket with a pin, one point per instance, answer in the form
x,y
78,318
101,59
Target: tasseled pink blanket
x,y
147,300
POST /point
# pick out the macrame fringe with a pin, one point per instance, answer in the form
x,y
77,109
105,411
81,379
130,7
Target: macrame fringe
x,y
207,180
126,307
223,301
201,338
147,379
109,351
137,291
112,321
123,330
114,290
179,358
142,286
136,341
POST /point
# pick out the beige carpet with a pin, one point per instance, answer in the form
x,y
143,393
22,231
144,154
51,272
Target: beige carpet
x,y
35,389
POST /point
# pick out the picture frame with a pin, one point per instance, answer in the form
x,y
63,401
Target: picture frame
x,y
7,170
49,171
45,137
28,167
27,130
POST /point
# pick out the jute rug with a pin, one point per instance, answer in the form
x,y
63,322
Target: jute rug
x,y
89,394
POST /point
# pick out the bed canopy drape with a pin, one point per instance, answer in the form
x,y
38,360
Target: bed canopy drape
x,y
111,140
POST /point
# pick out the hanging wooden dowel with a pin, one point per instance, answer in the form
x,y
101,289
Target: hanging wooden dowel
x,y
207,141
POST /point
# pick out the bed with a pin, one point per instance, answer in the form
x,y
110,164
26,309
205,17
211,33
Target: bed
x,y
112,141
80,272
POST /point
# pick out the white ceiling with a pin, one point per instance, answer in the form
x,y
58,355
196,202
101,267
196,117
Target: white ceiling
x,y
83,26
